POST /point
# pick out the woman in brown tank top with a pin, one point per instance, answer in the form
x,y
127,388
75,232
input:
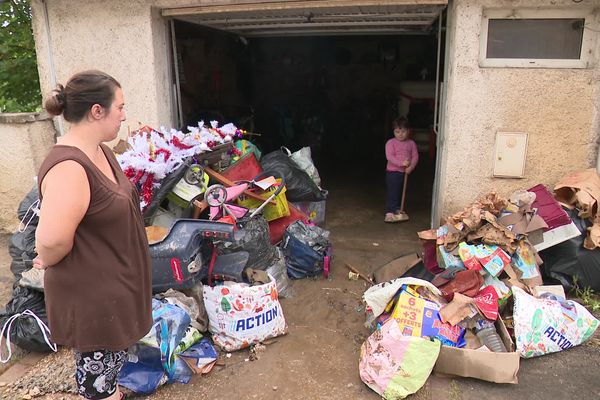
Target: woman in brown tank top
x,y
91,239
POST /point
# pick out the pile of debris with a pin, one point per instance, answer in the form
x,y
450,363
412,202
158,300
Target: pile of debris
x,y
239,231
482,303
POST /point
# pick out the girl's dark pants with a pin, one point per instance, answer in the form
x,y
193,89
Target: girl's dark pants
x,y
394,181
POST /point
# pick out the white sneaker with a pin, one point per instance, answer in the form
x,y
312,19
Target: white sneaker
x,y
401,217
391,218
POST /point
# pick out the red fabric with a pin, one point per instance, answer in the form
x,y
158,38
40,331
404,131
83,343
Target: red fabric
x,y
548,208
429,257
465,282
277,226
246,168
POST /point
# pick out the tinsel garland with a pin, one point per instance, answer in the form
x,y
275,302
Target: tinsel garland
x,y
154,154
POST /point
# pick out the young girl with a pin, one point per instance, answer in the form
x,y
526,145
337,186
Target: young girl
x,y
402,157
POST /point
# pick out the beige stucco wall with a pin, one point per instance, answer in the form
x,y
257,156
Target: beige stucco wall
x,y
558,108
26,139
126,39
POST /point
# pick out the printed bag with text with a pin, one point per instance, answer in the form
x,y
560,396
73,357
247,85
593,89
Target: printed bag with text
x,y
549,324
241,315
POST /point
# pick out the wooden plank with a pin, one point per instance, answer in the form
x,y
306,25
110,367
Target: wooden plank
x,y
199,207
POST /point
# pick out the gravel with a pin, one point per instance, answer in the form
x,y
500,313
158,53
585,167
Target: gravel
x,y
54,374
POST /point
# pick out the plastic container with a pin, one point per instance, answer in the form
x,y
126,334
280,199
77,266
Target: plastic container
x,y
488,336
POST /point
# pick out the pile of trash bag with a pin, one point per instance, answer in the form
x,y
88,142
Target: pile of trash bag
x,y
23,320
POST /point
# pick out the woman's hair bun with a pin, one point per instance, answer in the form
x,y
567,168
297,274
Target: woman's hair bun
x,y
55,104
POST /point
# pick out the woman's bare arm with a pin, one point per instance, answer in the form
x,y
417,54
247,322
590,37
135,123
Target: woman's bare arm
x,y
66,198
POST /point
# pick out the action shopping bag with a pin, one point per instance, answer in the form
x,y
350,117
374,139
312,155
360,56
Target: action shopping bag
x,y
549,324
240,315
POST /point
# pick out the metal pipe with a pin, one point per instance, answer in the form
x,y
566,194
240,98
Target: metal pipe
x,y
176,67
437,75
53,79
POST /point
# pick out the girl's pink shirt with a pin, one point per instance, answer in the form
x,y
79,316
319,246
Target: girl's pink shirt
x,y
397,151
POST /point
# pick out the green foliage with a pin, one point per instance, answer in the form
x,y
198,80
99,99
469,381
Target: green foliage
x,y
588,297
19,81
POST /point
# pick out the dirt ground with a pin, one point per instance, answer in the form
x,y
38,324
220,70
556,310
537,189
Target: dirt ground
x,y
318,358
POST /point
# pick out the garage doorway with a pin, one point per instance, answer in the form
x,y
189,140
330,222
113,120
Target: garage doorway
x,y
329,77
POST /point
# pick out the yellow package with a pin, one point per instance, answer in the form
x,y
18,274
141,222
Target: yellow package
x,y
271,211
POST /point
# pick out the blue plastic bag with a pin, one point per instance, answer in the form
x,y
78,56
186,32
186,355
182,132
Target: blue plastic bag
x,y
152,361
301,260
143,372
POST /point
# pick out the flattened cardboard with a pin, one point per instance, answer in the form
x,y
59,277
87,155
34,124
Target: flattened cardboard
x,y
582,188
586,180
121,147
156,233
481,364
460,308
396,268
523,221
592,240
557,290
430,234
557,235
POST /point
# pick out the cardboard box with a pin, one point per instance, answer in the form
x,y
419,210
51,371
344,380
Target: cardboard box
x,y
419,317
448,260
481,364
396,268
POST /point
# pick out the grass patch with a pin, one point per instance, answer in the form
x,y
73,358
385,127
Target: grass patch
x,y
588,297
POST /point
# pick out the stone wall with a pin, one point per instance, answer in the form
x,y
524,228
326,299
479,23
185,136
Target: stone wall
x,y
26,139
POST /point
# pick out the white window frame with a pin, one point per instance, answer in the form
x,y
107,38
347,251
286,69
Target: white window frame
x,y
587,44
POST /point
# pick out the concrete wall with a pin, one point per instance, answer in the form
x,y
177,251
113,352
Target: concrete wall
x,y
26,139
557,107
126,39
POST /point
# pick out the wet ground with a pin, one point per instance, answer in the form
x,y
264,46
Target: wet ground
x,y
318,358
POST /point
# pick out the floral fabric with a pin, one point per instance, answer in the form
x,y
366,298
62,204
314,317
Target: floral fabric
x,y
97,372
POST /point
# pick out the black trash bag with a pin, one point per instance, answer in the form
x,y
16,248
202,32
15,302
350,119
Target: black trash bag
x,y
299,185
568,260
26,204
17,267
25,241
253,237
25,331
22,244
159,195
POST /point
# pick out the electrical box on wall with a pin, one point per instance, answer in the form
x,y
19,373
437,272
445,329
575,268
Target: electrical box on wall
x,y
510,155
